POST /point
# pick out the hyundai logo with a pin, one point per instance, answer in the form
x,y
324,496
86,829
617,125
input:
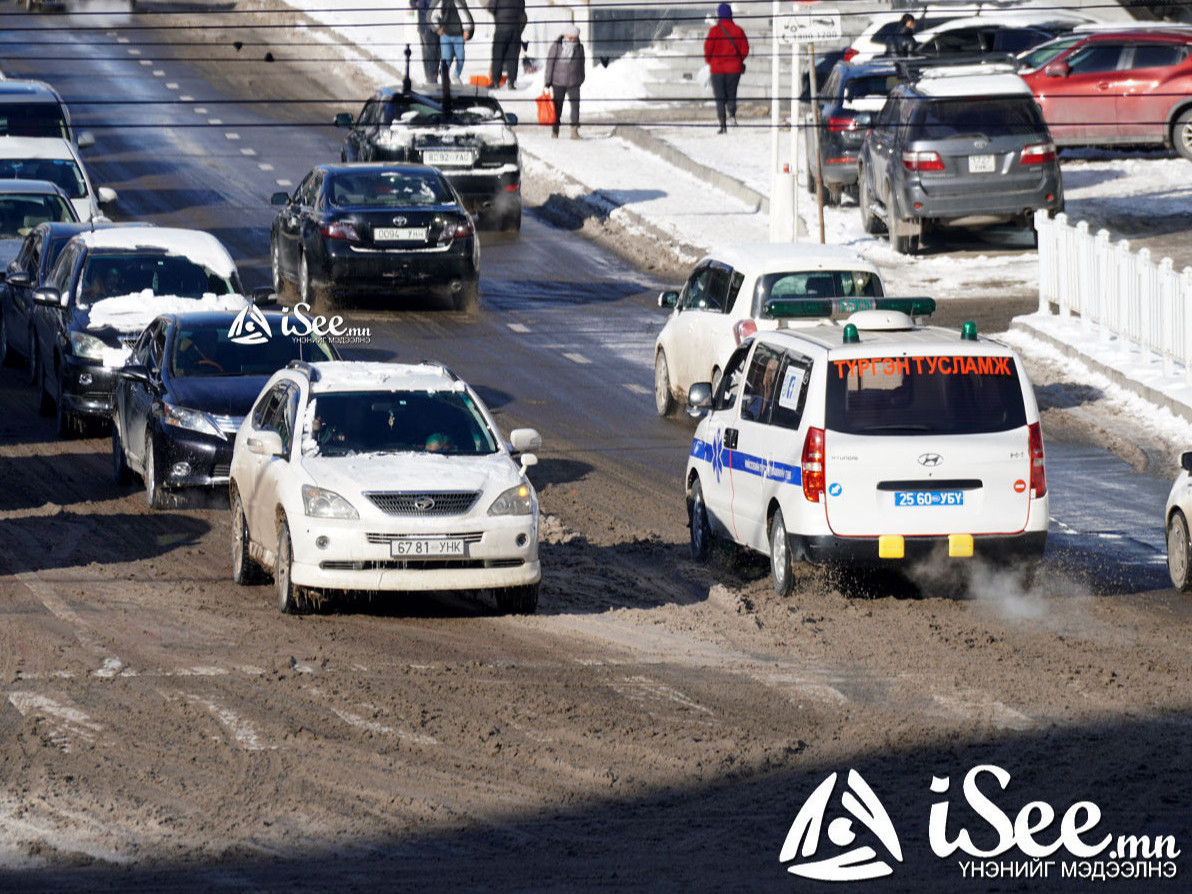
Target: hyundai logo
x,y
931,460
399,221
424,504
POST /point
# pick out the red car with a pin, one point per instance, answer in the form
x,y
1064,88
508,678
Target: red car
x,y
1105,87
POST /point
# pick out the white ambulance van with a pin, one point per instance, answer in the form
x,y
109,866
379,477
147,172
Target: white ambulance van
x,y
857,435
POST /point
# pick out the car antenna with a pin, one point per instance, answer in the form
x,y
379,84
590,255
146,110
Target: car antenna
x,y
405,82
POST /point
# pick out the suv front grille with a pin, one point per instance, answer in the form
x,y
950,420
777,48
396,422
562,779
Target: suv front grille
x,y
424,503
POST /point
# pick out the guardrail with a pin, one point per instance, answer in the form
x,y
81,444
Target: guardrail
x,y
1119,292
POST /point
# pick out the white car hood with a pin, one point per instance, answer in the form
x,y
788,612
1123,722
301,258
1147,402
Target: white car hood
x,y
350,476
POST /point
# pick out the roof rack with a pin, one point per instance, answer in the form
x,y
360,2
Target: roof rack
x,y
914,67
443,366
305,368
839,308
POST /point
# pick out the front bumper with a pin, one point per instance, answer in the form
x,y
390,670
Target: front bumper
x,y
87,387
358,555
998,548
355,269
193,459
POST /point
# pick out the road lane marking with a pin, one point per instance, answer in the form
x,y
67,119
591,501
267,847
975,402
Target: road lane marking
x,y
214,122
199,110
146,62
185,98
636,388
265,166
518,327
247,151
284,182
242,730
158,73
171,85
577,358
232,136
64,722
373,726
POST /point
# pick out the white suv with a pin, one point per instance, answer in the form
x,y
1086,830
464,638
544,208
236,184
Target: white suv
x,y
724,301
382,477
876,441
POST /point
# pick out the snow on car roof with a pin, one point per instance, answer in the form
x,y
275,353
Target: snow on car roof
x,y
830,335
969,80
132,313
197,245
768,257
36,147
357,375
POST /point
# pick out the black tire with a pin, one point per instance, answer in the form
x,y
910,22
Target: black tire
x,y
517,600
245,570
45,400
870,222
511,222
1181,134
31,367
121,473
1179,553
66,424
306,287
833,195
701,531
664,400
280,287
467,299
288,602
6,356
902,242
155,497
782,570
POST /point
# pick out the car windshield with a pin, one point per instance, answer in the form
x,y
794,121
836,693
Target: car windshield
x,y
448,422
62,172
1044,54
924,395
209,351
387,189
425,111
123,273
21,213
870,85
815,284
938,119
33,119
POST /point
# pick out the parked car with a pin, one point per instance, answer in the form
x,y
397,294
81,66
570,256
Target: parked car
x,y
1116,87
105,288
188,384
467,135
1009,32
960,146
28,271
54,159
393,477
1176,515
875,39
35,109
879,442
375,229
848,99
725,300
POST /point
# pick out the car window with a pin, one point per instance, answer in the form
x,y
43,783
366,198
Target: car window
x,y
924,395
726,389
1101,57
210,351
1015,40
938,119
278,412
958,40
388,189
1044,54
370,114
304,194
33,119
760,391
64,267
1158,55
794,376
815,284
21,213
448,422
140,350
870,85
108,274
831,87
157,347
265,406
62,172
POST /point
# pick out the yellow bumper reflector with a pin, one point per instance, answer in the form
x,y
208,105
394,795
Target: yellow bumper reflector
x,y
891,546
960,546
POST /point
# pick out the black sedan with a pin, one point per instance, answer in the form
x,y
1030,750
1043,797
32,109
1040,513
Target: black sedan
x,y
375,230
189,383
466,135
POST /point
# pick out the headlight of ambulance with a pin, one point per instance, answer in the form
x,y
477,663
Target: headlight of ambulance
x,y
195,420
86,346
517,500
321,503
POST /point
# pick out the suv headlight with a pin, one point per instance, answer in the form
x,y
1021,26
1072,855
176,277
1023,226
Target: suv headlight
x,y
321,503
518,500
195,420
86,346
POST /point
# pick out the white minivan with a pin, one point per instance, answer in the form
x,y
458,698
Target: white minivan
x,y
868,440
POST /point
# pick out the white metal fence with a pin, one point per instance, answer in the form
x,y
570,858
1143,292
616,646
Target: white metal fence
x,y
1116,291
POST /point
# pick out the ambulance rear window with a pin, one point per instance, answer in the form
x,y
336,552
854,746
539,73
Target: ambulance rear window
x,y
924,395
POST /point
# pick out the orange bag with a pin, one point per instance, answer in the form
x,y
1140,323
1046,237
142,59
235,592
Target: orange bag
x,y
546,108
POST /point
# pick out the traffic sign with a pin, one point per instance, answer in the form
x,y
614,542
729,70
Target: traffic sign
x,y
824,24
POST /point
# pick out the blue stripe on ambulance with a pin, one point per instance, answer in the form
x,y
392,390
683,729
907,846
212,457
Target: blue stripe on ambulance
x,y
713,453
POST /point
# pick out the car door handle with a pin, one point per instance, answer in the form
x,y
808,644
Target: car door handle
x,y
730,439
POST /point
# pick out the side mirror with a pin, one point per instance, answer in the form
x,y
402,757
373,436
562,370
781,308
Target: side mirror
x,y
699,399
264,296
265,443
525,439
511,119
19,278
49,296
279,198
135,372
1186,461
105,195
86,140
1056,70
528,460
343,119
668,299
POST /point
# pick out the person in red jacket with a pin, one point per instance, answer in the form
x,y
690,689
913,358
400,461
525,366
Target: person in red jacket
x,y
725,49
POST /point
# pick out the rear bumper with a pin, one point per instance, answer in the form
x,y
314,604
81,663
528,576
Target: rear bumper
x,y
87,387
980,204
359,270
1001,549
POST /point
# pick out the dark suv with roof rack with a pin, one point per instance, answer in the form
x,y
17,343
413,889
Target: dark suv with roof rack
x,y
960,146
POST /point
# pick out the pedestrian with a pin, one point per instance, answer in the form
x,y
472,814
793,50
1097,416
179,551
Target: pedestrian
x,y
429,39
725,49
564,74
509,17
453,23
902,42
